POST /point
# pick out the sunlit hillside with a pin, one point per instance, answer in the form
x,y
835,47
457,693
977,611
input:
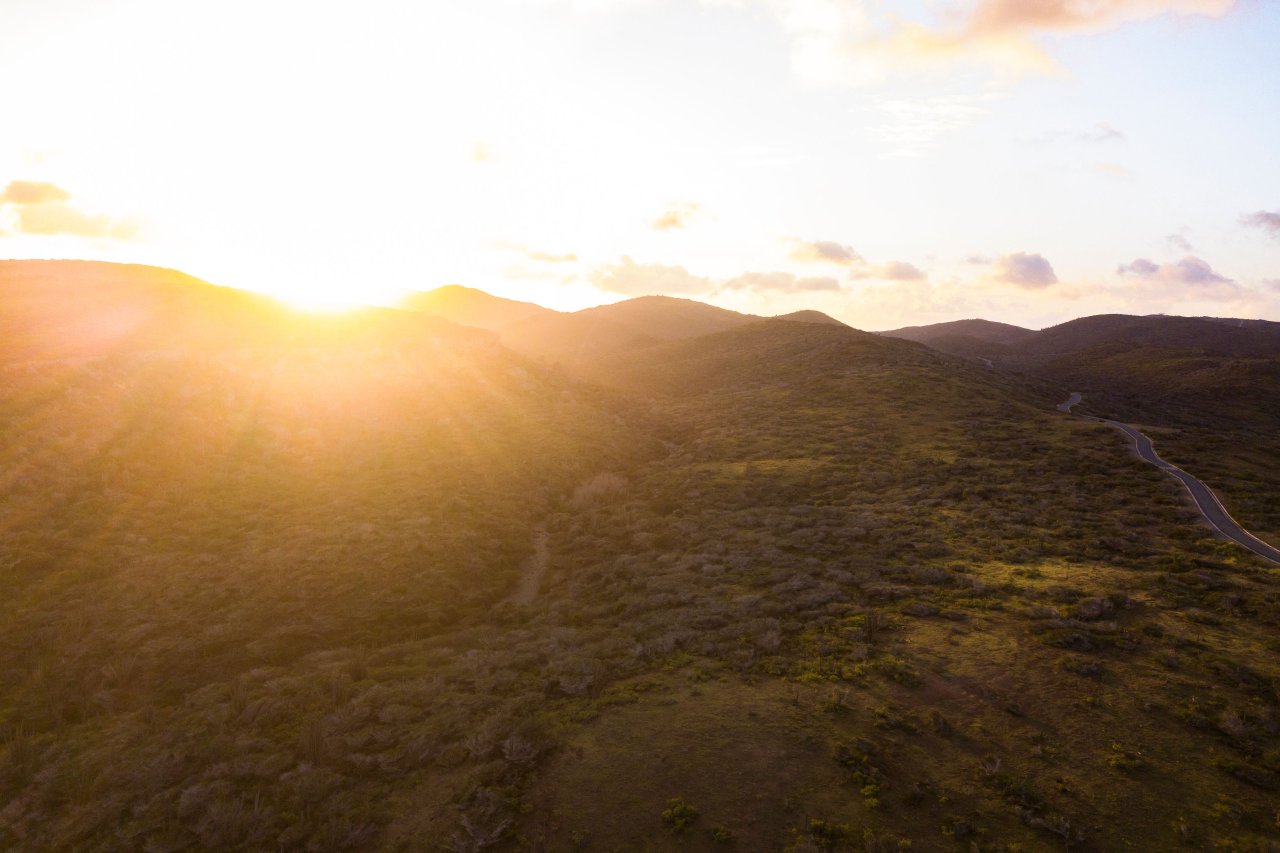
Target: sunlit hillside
x,y
1198,385
273,581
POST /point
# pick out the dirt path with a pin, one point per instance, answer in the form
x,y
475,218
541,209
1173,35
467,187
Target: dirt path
x,y
533,569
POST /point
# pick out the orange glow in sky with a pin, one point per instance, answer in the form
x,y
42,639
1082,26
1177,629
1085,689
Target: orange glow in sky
x,y
765,155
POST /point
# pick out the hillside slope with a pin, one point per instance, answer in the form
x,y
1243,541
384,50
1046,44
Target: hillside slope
x,y
893,600
787,585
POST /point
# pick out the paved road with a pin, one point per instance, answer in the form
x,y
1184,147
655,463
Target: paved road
x,y
1206,501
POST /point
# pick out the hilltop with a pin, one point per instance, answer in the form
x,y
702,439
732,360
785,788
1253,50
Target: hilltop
x,y
89,309
981,330
1192,334
467,306
810,317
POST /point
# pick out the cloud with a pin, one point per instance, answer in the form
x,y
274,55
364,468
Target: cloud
x,y
632,279
42,209
979,260
676,216
1028,17
33,192
1024,270
858,43
781,281
550,258
52,218
1180,242
1139,267
825,251
1191,270
892,272
831,252
539,256
1264,219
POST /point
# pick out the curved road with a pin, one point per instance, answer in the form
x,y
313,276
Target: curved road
x,y
1206,501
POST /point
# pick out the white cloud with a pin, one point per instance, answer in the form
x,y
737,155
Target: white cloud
x,y
1191,270
825,251
632,279
1025,270
781,282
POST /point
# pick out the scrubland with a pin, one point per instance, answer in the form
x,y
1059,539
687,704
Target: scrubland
x,y
804,589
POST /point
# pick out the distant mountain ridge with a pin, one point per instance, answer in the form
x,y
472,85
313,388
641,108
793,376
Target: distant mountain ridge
x,y
1224,336
84,309
1025,347
575,338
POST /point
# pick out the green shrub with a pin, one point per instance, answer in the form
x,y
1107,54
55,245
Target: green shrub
x,y
679,815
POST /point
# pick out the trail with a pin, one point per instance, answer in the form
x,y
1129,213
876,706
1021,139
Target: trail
x,y
534,568
1205,499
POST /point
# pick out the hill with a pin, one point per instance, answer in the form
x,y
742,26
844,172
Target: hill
x,y
666,318
1195,383
760,354
86,309
219,507
783,586
981,330
467,306
579,338
80,308
573,340
1191,334
880,573
810,317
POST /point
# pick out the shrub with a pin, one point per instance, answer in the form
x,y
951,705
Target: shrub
x,y
679,815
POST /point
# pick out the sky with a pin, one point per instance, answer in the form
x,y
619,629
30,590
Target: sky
x,y
889,163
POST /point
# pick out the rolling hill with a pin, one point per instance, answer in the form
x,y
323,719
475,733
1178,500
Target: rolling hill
x,y
981,330
85,310
759,354
667,318
382,583
810,317
467,306
579,338
1190,334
